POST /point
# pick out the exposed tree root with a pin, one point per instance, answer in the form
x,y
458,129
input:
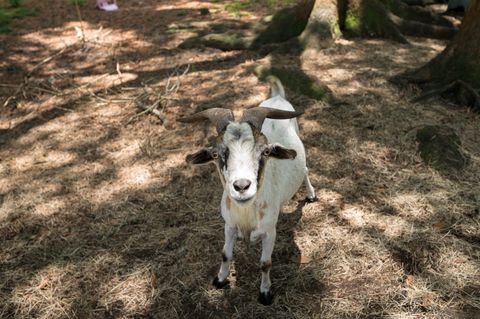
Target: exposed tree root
x,y
419,14
420,29
394,20
464,93
419,2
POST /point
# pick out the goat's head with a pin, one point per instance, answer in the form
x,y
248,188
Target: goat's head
x,y
241,150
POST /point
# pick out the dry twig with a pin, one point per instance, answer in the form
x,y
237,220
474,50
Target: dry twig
x,y
27,77
161,98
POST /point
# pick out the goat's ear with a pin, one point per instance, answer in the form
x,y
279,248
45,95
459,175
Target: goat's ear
x,y
280,152
203,156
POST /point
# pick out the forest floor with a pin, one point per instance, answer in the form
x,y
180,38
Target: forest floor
x,y
100,216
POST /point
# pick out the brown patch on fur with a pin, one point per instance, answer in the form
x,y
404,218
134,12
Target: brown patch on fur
x,y
261,213
264,205
258,136
266,265
228,202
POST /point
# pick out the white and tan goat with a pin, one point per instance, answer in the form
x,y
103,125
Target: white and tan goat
x,y
261,161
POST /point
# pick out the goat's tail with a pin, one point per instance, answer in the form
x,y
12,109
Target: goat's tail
x,y
277,87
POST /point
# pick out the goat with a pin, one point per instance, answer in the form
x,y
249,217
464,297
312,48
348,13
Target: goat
x,y
261,161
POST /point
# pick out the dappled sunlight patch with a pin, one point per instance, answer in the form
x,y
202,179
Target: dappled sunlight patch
x,y
106,80
41,159
134,177
169,162
51,293
132,293
390,226
457,268
411,205
66,35
433,46
310,126
137,175
49,207
354,216
109,111
124,150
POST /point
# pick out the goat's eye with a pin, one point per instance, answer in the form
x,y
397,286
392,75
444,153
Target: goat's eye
x,y
214,154
266,152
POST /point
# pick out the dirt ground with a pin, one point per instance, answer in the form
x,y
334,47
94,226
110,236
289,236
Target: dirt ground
x,y
100,217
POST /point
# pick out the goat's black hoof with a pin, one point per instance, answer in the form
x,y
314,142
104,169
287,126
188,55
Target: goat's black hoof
x,y
220,284
265,298
309,199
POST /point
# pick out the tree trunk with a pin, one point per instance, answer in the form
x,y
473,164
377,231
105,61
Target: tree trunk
x,y
460,59
393,19
317,23
457,68
322,26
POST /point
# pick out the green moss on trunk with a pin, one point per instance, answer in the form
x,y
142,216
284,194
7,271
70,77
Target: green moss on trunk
x,y
376,22
352,24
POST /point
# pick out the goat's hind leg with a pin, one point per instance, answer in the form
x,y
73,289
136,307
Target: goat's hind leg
x,y
311,197
230,236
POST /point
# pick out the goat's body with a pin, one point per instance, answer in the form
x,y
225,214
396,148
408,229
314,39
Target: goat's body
x,y
281,180
285,176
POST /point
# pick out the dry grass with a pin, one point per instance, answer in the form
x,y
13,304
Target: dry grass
x,y
101,218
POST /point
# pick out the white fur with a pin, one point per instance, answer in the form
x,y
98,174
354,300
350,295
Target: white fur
x,y
282,179
241,163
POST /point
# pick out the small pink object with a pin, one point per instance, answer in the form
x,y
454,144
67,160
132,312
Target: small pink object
x,y
107,5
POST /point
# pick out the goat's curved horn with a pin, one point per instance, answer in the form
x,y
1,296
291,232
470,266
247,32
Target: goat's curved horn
x,y
255,116
218,116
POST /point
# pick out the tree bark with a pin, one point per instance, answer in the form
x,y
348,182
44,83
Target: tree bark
x,y
317,23
460,59
322,26
393,19
286,24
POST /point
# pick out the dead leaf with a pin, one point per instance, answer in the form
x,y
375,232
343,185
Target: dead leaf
x,y
409,280
439,226
427,299
305,259
43,284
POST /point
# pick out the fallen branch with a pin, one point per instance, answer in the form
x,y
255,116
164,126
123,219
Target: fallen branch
x,y
27,77
161,99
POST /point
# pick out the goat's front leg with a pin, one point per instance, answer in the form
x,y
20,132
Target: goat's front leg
x,y
311,197
268,241
230,236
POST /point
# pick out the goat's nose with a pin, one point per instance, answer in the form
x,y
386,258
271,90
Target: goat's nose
x,y
241,185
